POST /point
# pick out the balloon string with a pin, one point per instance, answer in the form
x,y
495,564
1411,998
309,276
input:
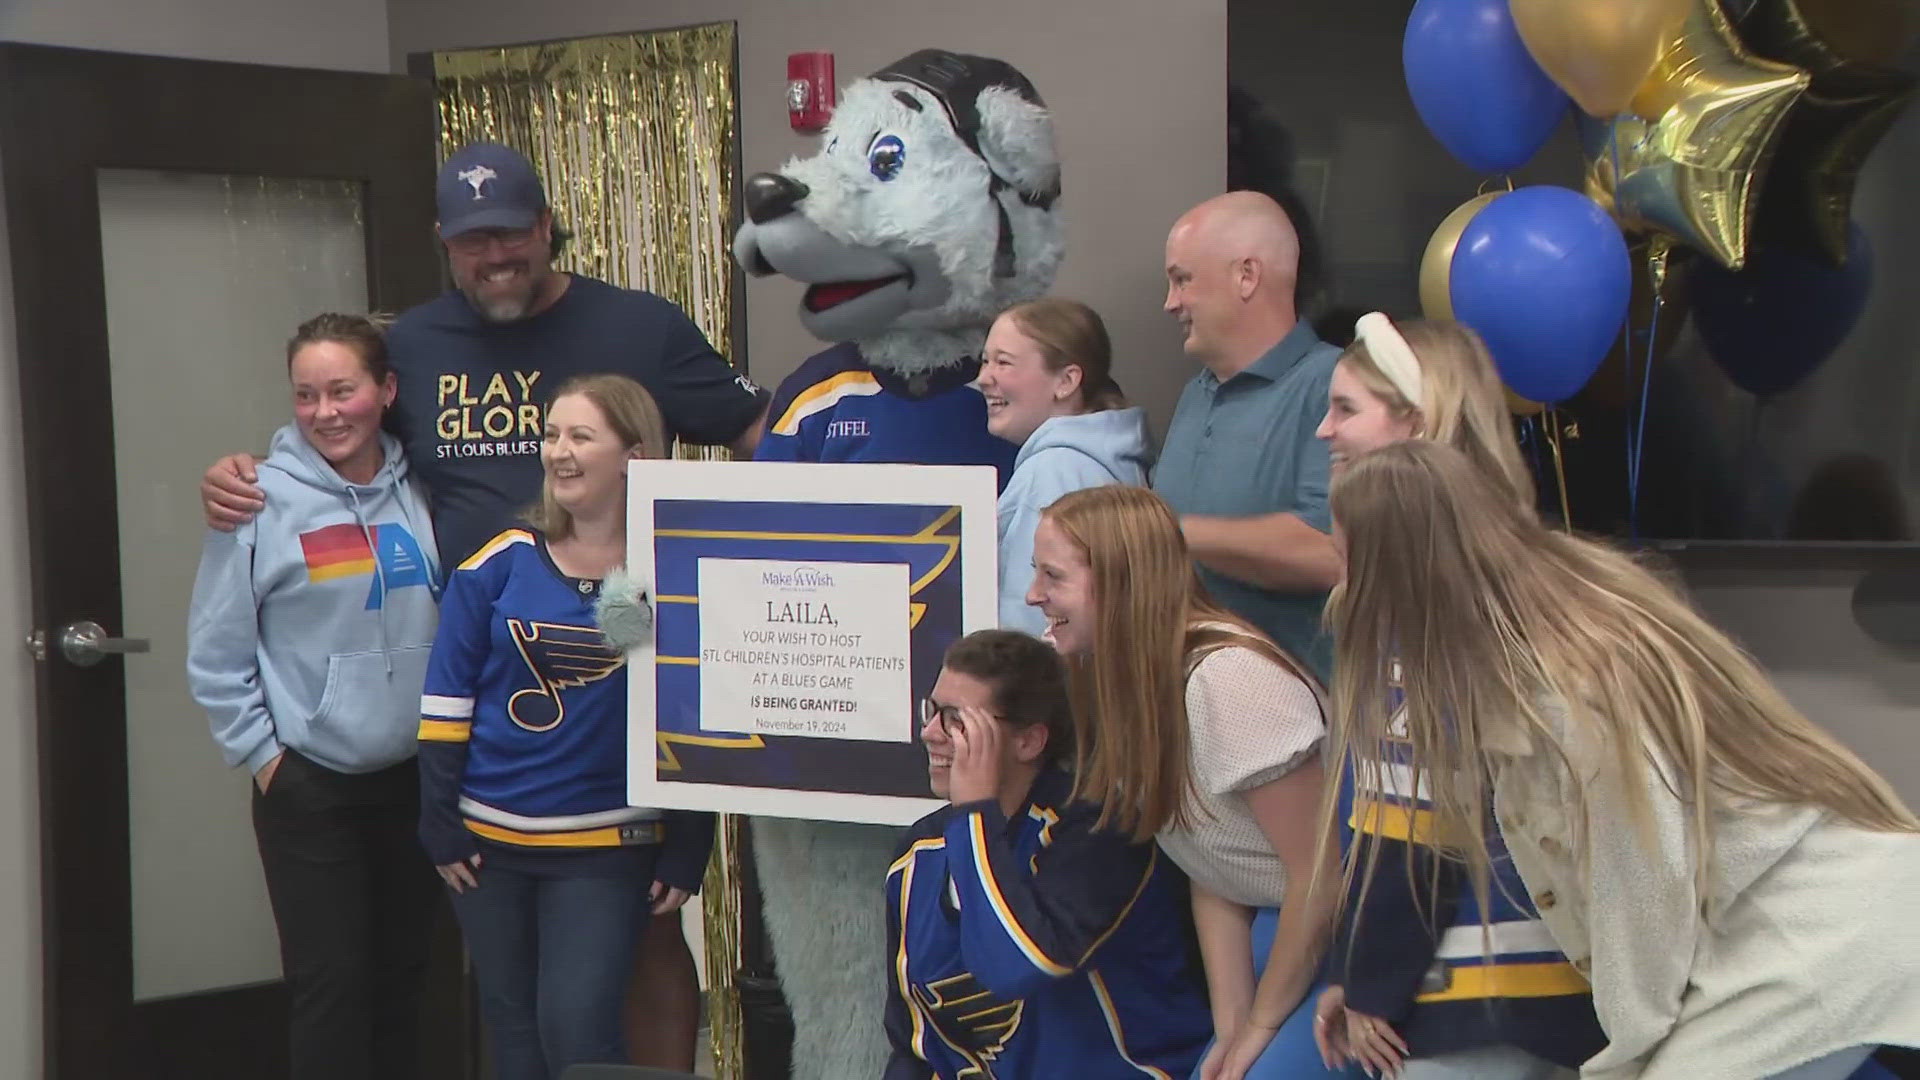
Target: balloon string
x,y
1551,425
1638,449
1503,178
1657,251
1613,145
1533,448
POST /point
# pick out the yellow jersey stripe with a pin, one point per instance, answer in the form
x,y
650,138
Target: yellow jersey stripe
x,y
904,865
976,830
1394,822
1113,1027
497,545
446,730
1553,978
824,395
649,833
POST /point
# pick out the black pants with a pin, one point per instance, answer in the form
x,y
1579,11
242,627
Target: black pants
x,y
353,897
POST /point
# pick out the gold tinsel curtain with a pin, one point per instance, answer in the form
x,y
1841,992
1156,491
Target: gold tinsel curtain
x,y
634,137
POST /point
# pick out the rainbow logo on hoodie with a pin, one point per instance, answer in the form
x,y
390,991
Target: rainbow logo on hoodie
x,y
348,551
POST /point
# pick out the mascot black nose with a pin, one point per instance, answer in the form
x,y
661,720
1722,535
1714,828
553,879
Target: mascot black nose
x,y
770,196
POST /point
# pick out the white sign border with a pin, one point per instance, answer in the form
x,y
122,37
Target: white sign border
x,y
973,488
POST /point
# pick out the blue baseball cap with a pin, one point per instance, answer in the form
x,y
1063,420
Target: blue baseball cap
x,y
488,186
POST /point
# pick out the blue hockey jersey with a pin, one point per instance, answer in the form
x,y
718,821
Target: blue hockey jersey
x,y
523,722
1038,947
837,407
1415,950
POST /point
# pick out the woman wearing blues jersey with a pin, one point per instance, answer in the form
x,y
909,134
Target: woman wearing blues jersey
x,y
1025,939
307,644
1194,728
523,752
1735,883
1416,990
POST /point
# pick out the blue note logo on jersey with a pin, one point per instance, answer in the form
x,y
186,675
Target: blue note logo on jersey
x,y
559,657
971,1015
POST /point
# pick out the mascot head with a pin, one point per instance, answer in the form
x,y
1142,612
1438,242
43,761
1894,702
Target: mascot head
x,y
932,206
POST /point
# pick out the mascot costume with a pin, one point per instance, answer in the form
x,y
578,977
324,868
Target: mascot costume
x,y
930,208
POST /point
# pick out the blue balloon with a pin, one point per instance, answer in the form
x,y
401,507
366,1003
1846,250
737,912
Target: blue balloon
x,y
1475,85
1542,275
1771,324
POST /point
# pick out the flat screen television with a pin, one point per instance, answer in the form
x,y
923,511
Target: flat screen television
x,y
1320,117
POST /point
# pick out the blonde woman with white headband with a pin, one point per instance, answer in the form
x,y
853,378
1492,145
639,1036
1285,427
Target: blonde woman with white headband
x,y
1414,988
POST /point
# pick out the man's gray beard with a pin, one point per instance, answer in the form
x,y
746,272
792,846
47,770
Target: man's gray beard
x,y
503,309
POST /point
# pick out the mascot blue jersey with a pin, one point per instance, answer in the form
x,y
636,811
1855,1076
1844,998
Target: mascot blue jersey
x,y
1038,946
837,407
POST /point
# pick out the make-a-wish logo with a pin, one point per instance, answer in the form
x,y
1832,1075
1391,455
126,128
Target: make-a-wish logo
x,y
798,579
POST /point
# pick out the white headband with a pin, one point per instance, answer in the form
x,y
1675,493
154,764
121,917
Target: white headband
x,y
1392,355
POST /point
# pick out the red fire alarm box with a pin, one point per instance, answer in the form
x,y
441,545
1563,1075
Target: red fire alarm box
x,y
810,94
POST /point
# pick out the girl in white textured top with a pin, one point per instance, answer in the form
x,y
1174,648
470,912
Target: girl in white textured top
x,y
1192,726
1738,887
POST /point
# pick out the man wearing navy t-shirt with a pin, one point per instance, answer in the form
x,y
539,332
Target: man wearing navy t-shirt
x,y
476,368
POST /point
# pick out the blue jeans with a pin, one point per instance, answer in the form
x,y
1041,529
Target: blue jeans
x,y
1292,1054
552,955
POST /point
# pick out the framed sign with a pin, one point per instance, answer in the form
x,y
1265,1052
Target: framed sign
x,y
800,611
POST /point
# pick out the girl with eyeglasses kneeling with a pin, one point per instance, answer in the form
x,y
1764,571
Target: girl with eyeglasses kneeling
x,y
1026,938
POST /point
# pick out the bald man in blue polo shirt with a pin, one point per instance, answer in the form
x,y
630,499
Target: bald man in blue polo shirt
x,y
1241,465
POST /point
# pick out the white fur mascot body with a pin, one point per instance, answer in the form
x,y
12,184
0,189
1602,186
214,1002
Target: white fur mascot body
x,y
929,210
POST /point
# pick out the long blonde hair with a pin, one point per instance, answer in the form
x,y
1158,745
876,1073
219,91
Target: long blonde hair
x,y
1153,621
1496,622
1464,407
635,420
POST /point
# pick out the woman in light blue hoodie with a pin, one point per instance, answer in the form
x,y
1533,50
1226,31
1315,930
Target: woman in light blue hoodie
x,y
1046,374
307,645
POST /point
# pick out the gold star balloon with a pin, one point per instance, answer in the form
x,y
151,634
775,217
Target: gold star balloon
x,y
1687,160
1852,101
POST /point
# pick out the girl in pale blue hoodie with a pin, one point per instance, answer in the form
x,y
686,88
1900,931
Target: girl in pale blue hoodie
x,y
307,645
1046,373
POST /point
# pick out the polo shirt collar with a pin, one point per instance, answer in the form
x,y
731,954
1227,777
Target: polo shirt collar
x,y
1280,359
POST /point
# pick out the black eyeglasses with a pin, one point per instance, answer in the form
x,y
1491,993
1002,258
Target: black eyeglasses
x,y
933,713
946,716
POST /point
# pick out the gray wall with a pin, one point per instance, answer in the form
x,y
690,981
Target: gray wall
x,y
341,34
1137,90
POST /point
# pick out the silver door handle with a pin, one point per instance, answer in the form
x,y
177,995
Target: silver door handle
x,y
85,644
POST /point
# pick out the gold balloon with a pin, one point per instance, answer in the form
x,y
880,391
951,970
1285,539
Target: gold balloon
x,y
1436,277
1687,160
1436,266
1808,200
1598,51
1520,406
